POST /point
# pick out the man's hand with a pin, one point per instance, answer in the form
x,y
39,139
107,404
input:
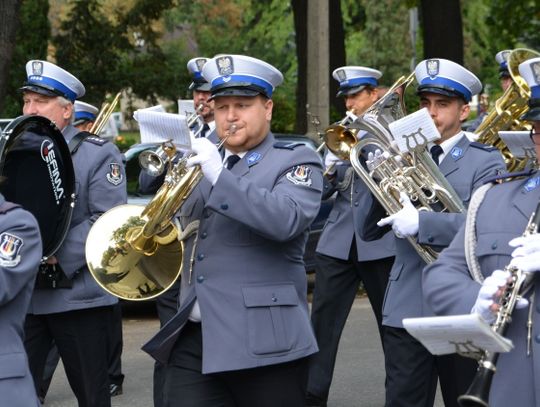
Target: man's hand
x,y
330,162
526,255
405,222
207,156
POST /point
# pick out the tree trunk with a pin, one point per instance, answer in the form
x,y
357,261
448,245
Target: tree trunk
x,y
443,33
337,54
9,21
300,25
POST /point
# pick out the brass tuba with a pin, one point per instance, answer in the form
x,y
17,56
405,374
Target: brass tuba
x,y
478,393
134,252
508,109
413,172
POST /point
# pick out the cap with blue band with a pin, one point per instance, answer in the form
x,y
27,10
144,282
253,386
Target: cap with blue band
x,y
85,112
353,79
447,78
195,67
502,59
240,75
49,79
530,72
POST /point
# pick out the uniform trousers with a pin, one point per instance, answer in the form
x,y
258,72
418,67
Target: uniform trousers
x,y
411,372
82,345
280,385
336,286
166,306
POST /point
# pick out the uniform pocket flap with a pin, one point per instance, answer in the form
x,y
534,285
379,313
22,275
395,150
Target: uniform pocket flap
x,y
270,295
494,243
12,365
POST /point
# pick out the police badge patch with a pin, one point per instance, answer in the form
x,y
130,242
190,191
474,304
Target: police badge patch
x,y
341,75
37,68
535,67
115,175
200,63
225,65
300,175
432,66
532,184
456,153
10,247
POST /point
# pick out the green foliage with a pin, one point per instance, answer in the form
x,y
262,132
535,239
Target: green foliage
x,y
32,37
515,23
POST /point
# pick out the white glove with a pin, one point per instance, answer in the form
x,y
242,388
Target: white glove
x,y
487,295
207,156
331,161
374,159
405,222
526,256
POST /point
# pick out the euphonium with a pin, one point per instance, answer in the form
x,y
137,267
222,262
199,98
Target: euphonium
x,y
508,109
414,172
339,138
134,252
478,393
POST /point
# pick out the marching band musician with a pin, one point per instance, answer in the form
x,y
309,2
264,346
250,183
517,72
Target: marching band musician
x,y
445,89
504,74
501,216
343,258
242,333
73,310
85,115
200,89
20,255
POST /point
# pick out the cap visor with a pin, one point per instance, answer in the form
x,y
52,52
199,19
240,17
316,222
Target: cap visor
x,y
235,92
440,91
350,91
39,89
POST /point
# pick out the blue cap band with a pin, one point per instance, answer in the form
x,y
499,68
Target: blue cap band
x,y
445,82
535,92
198,75
504,65
85,115
54,84
354,82
231,79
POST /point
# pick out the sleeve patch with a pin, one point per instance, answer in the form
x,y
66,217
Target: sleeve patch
x,y
114,176
10,248
300,175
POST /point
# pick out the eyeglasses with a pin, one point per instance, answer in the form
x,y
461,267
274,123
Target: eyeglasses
x,y
535,140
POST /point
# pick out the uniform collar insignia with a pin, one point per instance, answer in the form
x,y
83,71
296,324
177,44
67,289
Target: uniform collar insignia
x,y
456,153
10,247
253,158
531,184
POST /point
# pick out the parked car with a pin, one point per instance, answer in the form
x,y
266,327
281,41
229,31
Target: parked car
x,y
133,169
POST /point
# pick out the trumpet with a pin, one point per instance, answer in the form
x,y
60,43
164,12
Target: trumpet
x,y
155,162
104,114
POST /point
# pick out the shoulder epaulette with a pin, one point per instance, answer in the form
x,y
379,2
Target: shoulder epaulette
x,y
98,141
508,176
481,146
286,145
7,206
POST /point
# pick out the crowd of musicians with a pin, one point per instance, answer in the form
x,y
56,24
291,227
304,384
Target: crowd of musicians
x,y
236,329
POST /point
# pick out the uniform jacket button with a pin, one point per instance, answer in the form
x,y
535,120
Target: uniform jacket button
x,y
494,245
356,203
430,239
203,235
537,338
224,207
200,256
200,279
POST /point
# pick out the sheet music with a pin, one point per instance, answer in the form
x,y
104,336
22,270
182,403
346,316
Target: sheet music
x,y
185,107
157,126
519,143
413,130
444,335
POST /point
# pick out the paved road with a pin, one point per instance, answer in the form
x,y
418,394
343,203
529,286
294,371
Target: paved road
x,y
358,379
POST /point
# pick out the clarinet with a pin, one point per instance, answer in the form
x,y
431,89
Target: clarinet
x,y
478,393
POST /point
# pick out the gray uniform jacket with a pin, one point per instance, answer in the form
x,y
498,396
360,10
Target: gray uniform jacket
x,y
465,167
100,184
347,218
449,288
20,254
248,271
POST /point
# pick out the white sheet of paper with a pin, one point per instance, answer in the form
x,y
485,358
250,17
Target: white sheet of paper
x,y
157,126
414,130
185,107
519,143
442,335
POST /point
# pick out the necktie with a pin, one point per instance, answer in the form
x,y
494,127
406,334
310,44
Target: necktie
x,y
231,160
204,130
436,151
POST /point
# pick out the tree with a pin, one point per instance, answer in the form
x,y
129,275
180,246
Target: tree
x,y
9,21
30,43
443,32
